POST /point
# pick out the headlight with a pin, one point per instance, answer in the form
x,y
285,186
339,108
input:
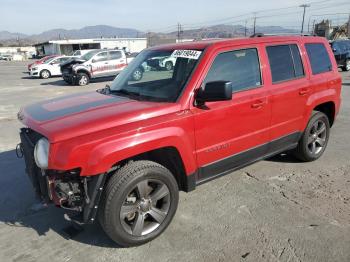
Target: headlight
x,y
34,68
41,153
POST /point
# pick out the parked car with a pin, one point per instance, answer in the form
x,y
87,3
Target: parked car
x,y
162,63
122,154
95,64
341,50
51,67
6,57
81,52
40,61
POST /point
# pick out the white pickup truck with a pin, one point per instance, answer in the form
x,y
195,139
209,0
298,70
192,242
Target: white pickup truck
x,y
97,63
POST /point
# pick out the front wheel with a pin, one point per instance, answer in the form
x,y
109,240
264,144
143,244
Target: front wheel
x,y
83,79
137,75
139,203
314,140
45,74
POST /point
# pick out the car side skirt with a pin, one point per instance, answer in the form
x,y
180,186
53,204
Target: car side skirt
x,y
237,161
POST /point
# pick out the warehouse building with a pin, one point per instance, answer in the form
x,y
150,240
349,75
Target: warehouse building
x,y
68,46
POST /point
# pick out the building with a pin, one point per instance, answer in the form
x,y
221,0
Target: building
x,y
68,46
325,29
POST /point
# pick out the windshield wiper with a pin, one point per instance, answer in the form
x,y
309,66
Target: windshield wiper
x,y
134,95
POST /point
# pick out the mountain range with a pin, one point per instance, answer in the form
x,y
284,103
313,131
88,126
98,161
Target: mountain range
x,y
7,38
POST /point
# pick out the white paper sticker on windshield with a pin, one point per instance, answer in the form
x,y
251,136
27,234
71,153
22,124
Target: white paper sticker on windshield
x,y
192,54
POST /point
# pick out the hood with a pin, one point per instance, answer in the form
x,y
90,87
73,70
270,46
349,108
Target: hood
x,y
84,113
71,62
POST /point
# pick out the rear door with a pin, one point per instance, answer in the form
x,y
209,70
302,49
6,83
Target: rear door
x,y
117,62
229,134
100,64
290,89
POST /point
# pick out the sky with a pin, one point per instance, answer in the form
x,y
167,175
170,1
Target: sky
x,y
36,16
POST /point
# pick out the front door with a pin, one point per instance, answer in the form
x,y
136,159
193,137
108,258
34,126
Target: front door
x,y
230,134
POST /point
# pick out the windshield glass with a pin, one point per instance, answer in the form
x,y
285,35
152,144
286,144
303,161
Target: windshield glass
x,y
89,55
49,60
156,75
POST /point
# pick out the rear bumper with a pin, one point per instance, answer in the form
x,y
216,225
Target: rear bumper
x,y
65,189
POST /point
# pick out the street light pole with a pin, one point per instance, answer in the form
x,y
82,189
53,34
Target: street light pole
x,y
302,25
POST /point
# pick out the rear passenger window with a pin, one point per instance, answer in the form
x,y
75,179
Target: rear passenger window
x,y
319,58
241,67
285,62
115,55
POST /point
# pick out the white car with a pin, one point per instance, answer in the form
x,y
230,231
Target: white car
x,y
162,63
81,52
49,68
95,64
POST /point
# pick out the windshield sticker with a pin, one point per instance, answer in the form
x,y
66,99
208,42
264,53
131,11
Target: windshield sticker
x,y
192,54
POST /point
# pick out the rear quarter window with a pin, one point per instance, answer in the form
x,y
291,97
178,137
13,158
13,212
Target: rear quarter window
x,y
319,58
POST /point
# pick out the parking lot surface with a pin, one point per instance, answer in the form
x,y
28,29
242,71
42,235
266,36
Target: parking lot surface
x,y
275,210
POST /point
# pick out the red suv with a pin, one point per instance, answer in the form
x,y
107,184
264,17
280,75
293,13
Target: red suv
x,y
122,154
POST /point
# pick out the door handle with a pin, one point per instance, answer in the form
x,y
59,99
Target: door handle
x,y
304,91
106,63
258,104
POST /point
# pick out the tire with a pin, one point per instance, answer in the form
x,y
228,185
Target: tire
x,y
347,65
314,139
83,79
45,74
169,66
124,191
137,75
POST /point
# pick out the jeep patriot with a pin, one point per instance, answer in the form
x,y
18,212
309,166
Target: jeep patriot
x,y
121,155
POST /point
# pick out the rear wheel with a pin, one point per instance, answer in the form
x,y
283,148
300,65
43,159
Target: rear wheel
x,y
139,203
83,79
346,67
45,74
314,139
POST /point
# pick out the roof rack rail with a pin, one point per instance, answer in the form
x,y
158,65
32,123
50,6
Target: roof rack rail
x,y
257,35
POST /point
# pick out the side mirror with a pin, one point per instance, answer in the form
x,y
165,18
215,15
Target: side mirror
x,y
214,91
93,61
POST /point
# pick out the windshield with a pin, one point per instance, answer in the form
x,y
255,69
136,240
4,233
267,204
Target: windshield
x,y
49,60
156,75
89,55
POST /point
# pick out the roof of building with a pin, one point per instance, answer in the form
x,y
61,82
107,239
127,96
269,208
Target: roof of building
x,y
88,41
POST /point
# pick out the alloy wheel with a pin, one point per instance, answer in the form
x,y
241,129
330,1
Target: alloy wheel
x,y
317,137
83,81
145,207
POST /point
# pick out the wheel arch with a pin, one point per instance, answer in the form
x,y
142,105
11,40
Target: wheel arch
x,y
328,108
170,158
82,70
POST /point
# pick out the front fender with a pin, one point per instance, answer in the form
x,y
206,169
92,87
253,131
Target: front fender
x,y
105,155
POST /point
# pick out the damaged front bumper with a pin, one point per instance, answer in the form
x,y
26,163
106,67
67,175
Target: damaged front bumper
x,y
65,189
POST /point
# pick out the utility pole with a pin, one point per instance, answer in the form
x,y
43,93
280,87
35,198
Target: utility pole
x,y
302,25
254,24
245,28
179,32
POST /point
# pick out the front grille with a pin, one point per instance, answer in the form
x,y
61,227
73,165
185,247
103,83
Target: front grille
x,y
28,140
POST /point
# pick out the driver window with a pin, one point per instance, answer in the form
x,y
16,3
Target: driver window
x,y
241,67
100,57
